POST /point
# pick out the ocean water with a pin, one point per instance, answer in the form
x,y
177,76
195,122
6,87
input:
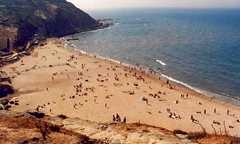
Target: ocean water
x,y
199,48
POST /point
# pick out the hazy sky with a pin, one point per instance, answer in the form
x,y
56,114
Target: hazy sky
x,y
103,4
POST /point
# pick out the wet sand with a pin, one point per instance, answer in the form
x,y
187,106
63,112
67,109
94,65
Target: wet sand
x,y
57,80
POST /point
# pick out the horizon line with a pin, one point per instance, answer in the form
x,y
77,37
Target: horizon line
x,y
147,7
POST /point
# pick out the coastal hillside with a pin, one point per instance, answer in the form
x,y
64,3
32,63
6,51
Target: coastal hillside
x,y
23,20
37,128
25,128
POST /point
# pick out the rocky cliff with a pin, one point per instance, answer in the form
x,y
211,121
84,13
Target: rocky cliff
x,y
21,20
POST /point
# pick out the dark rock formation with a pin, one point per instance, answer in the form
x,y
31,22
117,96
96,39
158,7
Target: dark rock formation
x,y
5,90
23,20
37,114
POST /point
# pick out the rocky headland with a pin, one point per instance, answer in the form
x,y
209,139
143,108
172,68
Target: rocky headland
x,y
22,21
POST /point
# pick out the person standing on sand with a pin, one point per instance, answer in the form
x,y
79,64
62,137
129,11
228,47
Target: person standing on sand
x,y
118,118
194,120
114,118
124,120
205,111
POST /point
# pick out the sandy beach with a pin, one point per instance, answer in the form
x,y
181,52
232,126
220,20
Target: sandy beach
x,y
58,80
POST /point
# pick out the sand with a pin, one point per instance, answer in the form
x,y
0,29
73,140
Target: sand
x,y
57,80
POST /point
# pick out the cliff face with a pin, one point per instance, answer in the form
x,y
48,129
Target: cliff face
x,y
21,20
7,34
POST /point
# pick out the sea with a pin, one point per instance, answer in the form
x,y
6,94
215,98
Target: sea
x,y
198,48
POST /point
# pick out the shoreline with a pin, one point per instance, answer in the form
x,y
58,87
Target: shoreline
x,y
58,79
224,99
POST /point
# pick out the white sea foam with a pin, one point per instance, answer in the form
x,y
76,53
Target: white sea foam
x,y
182,83
223,97
161,62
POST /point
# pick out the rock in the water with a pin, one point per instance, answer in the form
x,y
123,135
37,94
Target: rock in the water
x,y
5,90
